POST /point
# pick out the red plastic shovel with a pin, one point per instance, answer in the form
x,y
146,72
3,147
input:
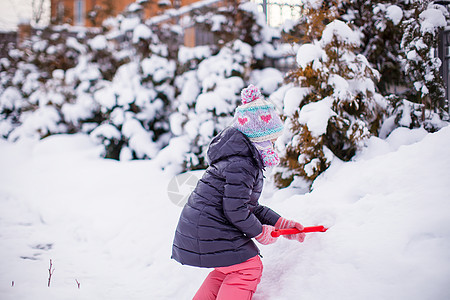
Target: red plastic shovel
x,y
278,232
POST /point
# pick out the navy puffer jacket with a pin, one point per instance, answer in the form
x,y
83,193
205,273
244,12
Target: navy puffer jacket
x,y
223,213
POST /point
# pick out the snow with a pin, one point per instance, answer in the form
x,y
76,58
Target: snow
x,y
221,65
134,7
171,157
74,44
316,115
58,74
105,97
190,89
164,2
200,52
110,225
158,67
107,131
82,109
342,32
129,24
211,101
340,86
99,42
308,53
39,46
139,139
83,71
267,80
141,32
10,98
293,98
185,9
217,21
314,4
431,19
394,13
41,122
413,55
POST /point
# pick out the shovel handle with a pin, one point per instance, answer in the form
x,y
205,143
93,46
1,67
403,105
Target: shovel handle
x,y
278,232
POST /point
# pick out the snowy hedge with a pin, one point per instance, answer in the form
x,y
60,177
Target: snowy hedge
x,y
137,91
133,87
337,100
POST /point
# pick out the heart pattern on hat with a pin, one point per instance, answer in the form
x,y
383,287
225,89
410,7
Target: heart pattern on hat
x,y
242,121
266,118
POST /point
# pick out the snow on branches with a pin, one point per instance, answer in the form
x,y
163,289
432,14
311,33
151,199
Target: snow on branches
x,y
335,108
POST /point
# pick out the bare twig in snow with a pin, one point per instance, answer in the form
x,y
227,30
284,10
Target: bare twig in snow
x,y
78,284
50,272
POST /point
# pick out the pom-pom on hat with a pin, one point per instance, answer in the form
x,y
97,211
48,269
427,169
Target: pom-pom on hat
x,y
256,117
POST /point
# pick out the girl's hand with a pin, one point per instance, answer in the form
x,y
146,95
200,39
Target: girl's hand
x,y
265,237
283,223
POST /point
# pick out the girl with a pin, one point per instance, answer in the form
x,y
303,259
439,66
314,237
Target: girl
x,y
222,214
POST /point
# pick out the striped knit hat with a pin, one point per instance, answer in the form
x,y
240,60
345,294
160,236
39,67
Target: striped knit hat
x,y
256,117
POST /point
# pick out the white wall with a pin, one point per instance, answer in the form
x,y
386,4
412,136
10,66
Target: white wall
x,y
15,11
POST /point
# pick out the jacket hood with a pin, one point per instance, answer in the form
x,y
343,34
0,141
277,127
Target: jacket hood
x,y
232,142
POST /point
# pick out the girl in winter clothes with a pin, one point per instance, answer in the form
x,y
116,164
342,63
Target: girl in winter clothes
x,y
222,214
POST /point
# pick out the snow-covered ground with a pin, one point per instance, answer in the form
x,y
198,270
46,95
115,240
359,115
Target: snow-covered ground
x,y
109,225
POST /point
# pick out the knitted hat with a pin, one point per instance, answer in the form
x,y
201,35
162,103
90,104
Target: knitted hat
x,y
256,117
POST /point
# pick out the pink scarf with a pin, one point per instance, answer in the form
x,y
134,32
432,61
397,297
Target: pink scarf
x,y
269,156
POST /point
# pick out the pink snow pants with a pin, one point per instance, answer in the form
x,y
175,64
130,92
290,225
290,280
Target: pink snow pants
x,y
236,282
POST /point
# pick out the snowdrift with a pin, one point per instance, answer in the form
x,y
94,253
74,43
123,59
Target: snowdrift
x,y
109,225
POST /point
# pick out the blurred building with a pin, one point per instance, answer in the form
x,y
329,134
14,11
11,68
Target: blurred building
x,y
93,12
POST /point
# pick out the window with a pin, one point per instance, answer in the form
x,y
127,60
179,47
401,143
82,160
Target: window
x,y
79,12
278,11
60,10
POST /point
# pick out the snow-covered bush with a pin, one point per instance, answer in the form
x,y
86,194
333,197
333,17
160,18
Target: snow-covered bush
x,y
135,89
404,113
419,42
134,103
400,40
11,102
380,24
231,22
136,110
114,84
210,78
207,99
36,72
335,108
326,115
